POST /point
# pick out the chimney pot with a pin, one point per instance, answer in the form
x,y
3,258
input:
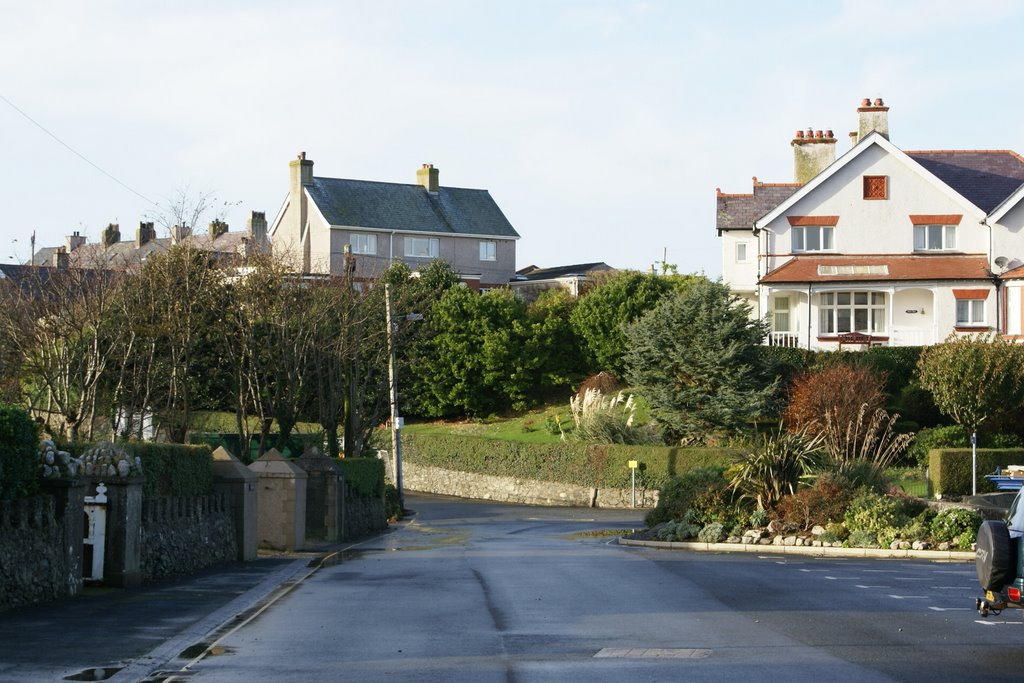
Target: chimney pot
x,y
302,155
799,134
866,102
878,102
818,134
828,134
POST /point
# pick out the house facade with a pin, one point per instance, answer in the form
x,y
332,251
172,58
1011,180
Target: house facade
x,y
328,225
880,246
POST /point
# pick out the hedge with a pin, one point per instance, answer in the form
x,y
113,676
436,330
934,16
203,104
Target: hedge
x,y
298,443
363,476
19,438
174,470
949,469
568,462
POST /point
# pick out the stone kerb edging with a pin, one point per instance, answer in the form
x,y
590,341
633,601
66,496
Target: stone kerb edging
x,y
813,551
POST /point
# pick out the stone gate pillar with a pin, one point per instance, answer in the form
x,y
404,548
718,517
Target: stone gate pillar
x,y
324,503
122,558
280,502
238,483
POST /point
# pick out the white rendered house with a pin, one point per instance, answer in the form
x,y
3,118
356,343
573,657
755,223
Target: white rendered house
x,y
880,246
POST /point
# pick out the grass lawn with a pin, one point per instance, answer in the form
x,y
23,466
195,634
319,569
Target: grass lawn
x,y
529,427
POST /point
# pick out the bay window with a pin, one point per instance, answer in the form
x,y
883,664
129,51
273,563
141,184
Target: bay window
x,y
842,312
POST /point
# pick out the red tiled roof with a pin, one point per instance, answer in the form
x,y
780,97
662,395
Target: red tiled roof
x,y
900,268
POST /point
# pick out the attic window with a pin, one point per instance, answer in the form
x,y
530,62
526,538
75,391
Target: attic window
x,y
876,187
853,270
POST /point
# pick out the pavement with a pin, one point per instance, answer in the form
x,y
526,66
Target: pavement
x,y
134,634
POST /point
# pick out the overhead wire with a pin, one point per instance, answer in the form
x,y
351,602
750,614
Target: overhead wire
x,y
76,152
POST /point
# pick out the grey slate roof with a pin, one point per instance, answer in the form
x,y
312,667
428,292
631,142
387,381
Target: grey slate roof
x,y
534,273
409,208
985,178
127,254
739,211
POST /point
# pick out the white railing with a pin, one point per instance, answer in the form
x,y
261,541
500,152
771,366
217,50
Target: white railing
x,y
790,340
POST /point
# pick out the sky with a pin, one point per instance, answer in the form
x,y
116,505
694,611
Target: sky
x,y
600,127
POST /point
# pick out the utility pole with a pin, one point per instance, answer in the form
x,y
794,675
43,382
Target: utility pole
x,y
396,441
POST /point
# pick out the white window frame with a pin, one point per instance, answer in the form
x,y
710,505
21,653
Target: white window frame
x,y
488,250
742,252
970,312
363,243
422,247
813,238
934,237
781,319
852,311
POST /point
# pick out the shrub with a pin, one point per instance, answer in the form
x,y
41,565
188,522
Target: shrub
x,y
775,469
174,470
712,533
824,502
839,390
392,506
873,513
953,523
678,530
951,436
716,505
759,519
866,445
19,437
837,530
363,476
676,497
862,538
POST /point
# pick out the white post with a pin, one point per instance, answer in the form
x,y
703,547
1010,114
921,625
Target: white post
x,y
396,442
974,463
633,477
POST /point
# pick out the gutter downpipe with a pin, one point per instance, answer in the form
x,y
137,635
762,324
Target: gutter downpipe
x,y
391,248
996,281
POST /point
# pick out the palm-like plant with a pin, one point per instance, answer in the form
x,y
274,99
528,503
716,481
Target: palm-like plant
x,y
864,447
776,468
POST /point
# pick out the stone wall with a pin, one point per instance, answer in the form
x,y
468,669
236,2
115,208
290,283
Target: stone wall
x,y
184,535
362,516
34,566
429,479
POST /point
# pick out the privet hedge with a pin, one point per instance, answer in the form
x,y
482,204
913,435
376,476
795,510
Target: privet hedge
x,y
364,476
19,438
174,470
949,469
568,462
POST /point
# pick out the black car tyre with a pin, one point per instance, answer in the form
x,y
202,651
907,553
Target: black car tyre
x,y
995,564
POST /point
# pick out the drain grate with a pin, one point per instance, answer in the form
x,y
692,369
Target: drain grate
x,y
653,652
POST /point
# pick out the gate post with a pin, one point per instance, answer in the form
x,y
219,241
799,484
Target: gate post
x,y
68,498
122,557
95,535
238,483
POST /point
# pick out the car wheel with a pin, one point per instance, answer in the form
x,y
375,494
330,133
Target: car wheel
x,y
995,564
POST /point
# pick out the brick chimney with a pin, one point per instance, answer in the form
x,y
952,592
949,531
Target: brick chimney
x,y
145,233
74,241
217,228
813,151
60,258
872,116
111,235
428,177
256,226
179,233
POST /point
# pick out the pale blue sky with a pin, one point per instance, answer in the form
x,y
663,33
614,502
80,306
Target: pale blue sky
x,y
602,128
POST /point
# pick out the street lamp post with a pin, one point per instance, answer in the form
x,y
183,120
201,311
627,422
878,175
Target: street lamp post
x,y
396,440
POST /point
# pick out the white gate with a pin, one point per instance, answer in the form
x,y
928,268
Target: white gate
x,y
95,534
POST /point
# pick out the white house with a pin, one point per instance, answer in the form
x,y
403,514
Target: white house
x,y
882,245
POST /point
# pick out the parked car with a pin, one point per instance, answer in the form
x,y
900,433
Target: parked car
x,y
999,561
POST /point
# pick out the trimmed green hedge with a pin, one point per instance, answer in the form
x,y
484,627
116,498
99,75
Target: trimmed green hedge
x,y
173,470
949,469
568,462
298,443
19,439
363,476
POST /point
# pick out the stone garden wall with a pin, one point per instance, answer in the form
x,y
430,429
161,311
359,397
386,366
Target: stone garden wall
x,y
184,535
34,563
427,479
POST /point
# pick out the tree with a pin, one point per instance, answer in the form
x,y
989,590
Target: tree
x,y
694,358
600,315
975,379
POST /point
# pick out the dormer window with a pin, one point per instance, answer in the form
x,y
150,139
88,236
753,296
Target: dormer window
x,y
813,238
934,237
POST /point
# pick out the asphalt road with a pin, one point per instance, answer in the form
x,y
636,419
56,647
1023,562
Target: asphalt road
x,y
470,591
